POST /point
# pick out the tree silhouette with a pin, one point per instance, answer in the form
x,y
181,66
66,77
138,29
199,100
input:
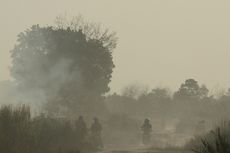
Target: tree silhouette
x,y
191,90
69,64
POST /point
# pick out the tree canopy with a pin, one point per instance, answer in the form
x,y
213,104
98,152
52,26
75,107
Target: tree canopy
x,y
71,63
191,90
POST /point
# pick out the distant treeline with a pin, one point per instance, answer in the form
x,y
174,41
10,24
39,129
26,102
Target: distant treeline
x,y
190,104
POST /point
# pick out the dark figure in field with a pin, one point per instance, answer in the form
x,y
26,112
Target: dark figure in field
x,y
81,128
96,129
147,129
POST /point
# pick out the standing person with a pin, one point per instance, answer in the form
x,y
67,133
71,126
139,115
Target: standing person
x,y
81,128
147,129
96,130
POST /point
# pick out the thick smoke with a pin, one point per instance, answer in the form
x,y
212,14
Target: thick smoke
x,y
69,77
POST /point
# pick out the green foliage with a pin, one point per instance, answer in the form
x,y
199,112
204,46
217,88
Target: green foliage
x,y
191,90
70,63
15,128
40,49
217,141
22,133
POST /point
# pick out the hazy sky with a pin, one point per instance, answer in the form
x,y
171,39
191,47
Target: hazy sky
x,y
161,42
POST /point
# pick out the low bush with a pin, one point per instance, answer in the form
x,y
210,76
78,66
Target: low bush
x,y
216,141
19,132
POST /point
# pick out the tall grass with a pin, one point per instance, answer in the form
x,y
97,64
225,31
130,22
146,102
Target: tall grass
x,y
216,141
20,133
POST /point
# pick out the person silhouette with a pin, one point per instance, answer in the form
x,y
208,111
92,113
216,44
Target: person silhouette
x,y
81,128
96,130
147,129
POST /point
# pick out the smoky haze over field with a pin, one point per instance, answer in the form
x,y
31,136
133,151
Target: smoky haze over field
x,y
159,60
165,41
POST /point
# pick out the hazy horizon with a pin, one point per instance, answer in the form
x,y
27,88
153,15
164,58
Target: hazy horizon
x,y
161,43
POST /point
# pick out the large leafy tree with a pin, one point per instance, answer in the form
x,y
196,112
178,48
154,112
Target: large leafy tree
x,y
71,63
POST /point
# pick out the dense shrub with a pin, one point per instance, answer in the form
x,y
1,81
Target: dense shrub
x,y
19,132
216,141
